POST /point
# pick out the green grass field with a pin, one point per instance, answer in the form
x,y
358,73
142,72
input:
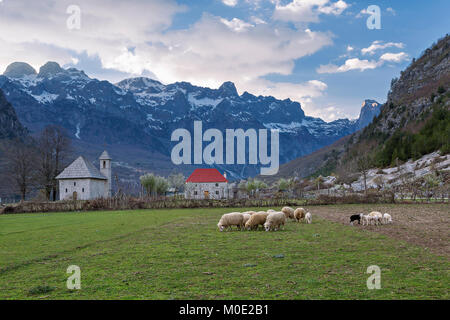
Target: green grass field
x,y
179,254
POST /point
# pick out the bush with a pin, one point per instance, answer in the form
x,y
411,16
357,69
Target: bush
x,y
40,290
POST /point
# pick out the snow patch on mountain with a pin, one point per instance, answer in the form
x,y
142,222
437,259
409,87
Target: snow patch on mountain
x,y
77,134
203,102
45,97
286,128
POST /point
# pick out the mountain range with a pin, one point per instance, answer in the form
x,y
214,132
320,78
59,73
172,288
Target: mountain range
x,y
134,118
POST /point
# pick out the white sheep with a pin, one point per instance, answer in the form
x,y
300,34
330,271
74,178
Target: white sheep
x,y
274,221
271,211
231,219
387,218
308,218
299,214
259,218
288,212
366,219
376,217
249,212
246,218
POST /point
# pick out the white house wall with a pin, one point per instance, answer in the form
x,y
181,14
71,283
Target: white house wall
x,y
98,188
197,190
86,189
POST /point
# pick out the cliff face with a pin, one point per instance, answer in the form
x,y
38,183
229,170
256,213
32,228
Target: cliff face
x,y
10,127
417,88
424,75
369,110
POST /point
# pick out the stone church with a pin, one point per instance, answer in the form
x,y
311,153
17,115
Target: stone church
x,y
83,181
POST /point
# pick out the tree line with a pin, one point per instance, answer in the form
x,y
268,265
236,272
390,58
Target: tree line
x,y
34,163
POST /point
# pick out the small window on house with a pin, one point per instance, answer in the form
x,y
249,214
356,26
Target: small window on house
x,y
82,190
217,184
74,184
104,164
217,192
195,193
66,190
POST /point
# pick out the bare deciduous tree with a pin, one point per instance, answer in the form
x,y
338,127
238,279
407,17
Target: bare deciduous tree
x,y
20,166
363,164
54,146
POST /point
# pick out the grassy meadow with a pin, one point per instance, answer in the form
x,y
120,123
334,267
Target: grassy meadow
x,y
180,254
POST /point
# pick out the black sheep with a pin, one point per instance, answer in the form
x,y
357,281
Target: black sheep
x,y
354,218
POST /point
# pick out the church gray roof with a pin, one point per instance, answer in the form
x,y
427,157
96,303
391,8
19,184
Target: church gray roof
x,y
105,156
79,169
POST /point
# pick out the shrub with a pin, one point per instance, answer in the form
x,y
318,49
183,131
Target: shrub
x,y
40,290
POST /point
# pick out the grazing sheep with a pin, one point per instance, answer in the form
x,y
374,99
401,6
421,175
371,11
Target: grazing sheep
x,y
366,219
376,217
249,212
231,219
259,218
288,212
387,218
274,221
356,217
299,214
246,217
308,218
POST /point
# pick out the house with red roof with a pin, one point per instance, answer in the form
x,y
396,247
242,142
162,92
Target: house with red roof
x,y
207,184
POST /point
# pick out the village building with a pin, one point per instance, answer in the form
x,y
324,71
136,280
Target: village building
x,y
81,180
207,184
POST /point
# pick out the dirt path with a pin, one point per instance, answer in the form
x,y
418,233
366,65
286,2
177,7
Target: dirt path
x,y
425,225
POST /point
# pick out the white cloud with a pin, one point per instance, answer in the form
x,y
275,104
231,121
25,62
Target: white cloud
x,y
236,24
350,48
230,3
284,90
362,65
305,11
350,64
391,11
211,52
379,45
395,57
257,20
332,113
134,37
107,28
361,13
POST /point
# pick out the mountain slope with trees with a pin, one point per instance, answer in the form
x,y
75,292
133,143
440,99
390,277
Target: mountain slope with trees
x,y
415,119
413,122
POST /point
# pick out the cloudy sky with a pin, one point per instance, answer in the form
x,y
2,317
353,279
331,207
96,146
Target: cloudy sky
x,y
318,52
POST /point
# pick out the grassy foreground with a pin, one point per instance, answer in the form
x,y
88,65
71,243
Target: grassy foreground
x,y
179,254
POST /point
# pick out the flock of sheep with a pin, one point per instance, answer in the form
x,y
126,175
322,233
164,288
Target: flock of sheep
x,y
270,220
374,217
